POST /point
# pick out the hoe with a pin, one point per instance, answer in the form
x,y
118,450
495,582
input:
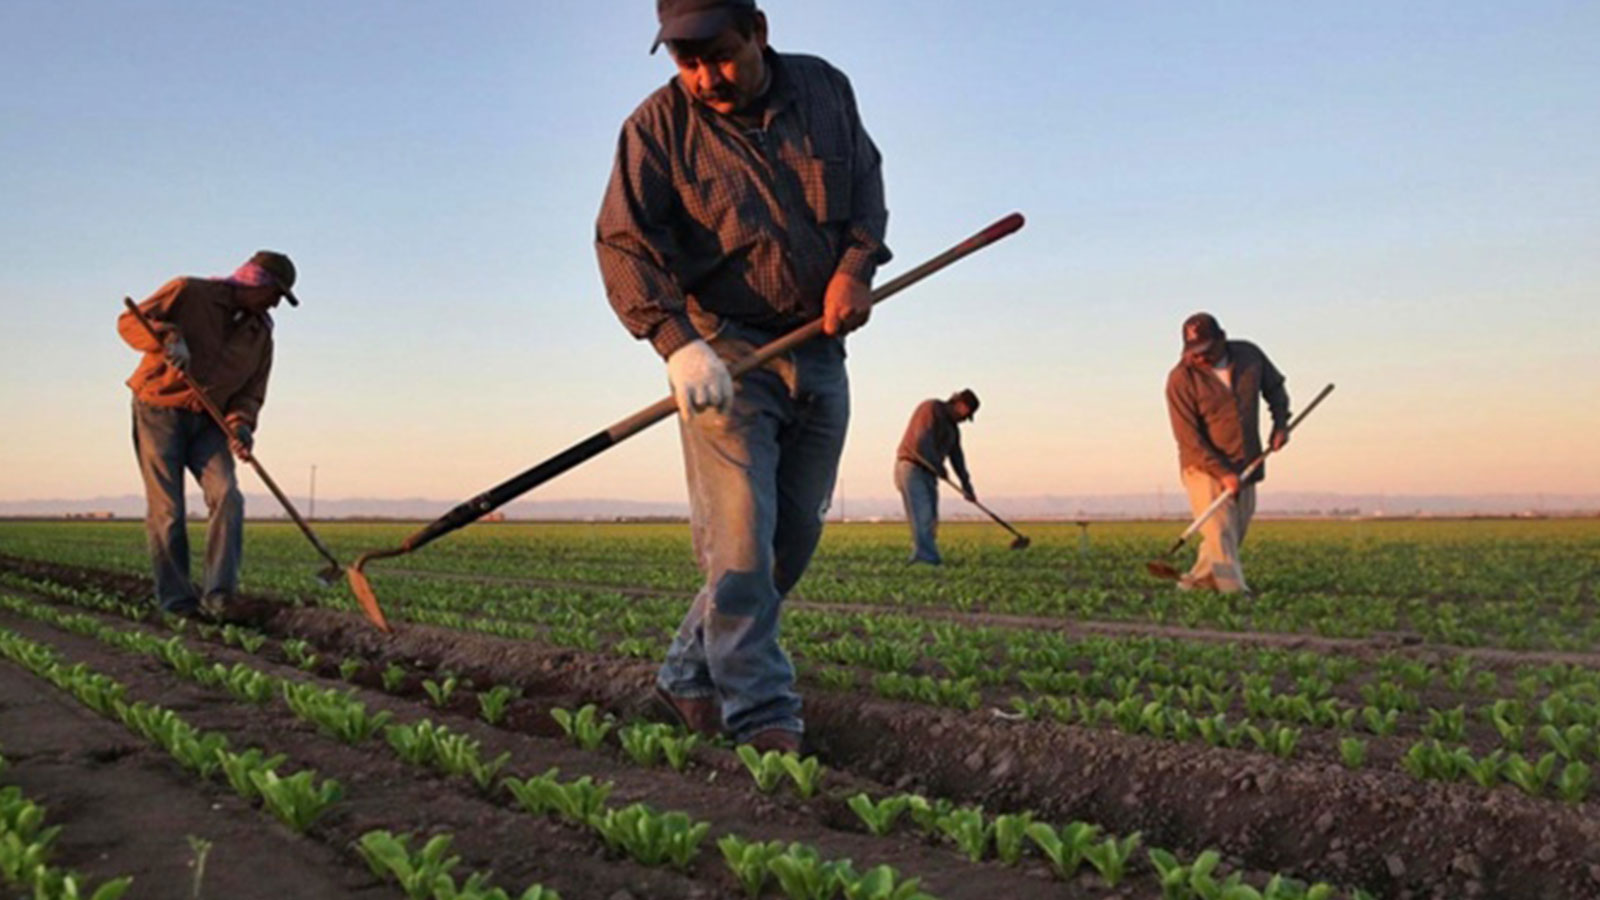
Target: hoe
x,y
1019,541
1161,566
470,511
328,574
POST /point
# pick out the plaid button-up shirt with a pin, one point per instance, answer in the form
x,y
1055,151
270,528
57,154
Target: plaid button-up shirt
x,y
703,220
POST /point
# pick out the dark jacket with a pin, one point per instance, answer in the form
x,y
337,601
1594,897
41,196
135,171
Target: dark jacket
x,y
1218,429
230,349
932,435
703,221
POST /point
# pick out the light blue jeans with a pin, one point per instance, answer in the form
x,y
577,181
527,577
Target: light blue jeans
x,y
760,479
168,442
919,489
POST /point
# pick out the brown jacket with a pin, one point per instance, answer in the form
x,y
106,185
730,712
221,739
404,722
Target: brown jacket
x,y
931,436
703,221
230,349
1217,429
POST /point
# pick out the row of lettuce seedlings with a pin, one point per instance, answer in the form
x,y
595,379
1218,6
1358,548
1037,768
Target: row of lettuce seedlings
x,y
1186,702
1568,726
649,837
26,847
653,838
297,800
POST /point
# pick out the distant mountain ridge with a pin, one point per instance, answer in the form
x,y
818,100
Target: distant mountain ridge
x,y
1043,506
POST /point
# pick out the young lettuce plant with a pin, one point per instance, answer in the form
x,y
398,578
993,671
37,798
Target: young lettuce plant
x,y
969,829
879,817
642,742
766,768
296,800
676,748
649,837
440,692
585,727
749,861
803,875
1110,858
492,704
1009,832
418,873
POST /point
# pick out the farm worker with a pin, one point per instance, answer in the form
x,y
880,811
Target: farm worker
x,y
932,435
1214,397
219,332
746,199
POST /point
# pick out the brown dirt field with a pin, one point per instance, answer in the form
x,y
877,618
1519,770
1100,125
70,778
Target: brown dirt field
x,y
1385,831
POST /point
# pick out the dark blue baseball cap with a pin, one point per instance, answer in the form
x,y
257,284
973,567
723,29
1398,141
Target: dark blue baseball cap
x,y
695,20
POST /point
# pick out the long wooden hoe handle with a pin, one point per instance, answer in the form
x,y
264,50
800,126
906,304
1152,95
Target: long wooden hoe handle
x,y
1248,471
222,422
598,443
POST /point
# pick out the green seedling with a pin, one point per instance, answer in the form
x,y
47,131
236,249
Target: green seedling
x,y
969,830
439,692
879,817
240,768
420,873
805,773
576,801
749,861
878,883
1531,777
649,837
926,814
201,848
766,768
642,742
493,703
1353,751
803,875
1009,832
1573,784
585,727
1110,858
394,675
349,667
295,800
677,748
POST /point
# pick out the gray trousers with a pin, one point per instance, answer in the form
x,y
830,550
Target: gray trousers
x,y
169,442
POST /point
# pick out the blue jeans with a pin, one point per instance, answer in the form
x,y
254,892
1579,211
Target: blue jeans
x,y
920,491
760,479
167,442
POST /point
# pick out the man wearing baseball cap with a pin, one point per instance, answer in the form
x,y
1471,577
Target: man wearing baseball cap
x,y
746,200
219,332
932,436
1214,397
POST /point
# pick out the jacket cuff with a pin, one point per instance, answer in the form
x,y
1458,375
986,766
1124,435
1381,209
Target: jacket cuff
x,y
859,262
673,333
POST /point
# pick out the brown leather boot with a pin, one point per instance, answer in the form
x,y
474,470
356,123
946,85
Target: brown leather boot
x,y
778,739
701,715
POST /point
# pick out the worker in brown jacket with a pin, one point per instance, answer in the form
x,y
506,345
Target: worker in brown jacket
x,y
1214,397
218,332
932,436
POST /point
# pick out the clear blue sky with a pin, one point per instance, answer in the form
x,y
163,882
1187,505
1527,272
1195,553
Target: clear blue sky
x,y
1403,198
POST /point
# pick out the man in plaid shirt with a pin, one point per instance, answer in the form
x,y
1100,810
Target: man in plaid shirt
x,y
746,200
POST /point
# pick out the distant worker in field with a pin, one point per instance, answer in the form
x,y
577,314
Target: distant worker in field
x,y
932,436
746,200
218,331
1214,397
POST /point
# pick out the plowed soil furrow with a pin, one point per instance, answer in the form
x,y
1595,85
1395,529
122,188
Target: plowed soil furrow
x,y
1382,830
127,808
382,792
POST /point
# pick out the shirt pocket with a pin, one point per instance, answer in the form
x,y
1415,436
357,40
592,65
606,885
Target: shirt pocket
x,y
826,184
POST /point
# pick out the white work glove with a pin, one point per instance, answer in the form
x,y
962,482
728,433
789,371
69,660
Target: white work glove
x,y
177,351
699,379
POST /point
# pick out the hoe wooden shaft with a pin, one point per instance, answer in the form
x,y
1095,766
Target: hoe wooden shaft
x,y
599,442
1249,470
